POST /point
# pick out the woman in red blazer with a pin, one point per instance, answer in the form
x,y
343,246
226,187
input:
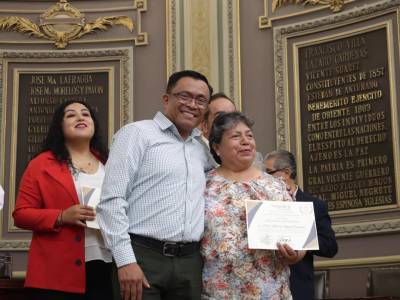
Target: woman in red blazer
x,y
49,205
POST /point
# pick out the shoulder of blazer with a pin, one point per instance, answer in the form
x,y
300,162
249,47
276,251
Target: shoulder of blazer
x,y
46,166
43,161
319,205
301,196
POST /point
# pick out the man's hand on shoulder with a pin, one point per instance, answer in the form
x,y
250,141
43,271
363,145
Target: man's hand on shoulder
x,y
131,281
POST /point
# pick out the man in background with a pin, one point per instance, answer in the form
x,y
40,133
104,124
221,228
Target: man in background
x,y
219,103
282,163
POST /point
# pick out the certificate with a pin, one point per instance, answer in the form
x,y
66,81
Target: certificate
x,y
272,222
91,198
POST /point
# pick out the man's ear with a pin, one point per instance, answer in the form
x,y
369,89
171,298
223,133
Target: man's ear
x,y
165,100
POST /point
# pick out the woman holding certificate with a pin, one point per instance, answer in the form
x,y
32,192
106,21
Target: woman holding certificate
x,y
67,259
232,270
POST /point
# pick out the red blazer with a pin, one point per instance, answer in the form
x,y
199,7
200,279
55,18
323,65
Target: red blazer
x,y
56,258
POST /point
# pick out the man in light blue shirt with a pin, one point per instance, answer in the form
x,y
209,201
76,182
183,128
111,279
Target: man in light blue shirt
x,y
151,211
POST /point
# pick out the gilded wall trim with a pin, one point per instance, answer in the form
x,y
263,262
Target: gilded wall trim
x,y
200,29
265,21
73,24
171,34
204,35
334,5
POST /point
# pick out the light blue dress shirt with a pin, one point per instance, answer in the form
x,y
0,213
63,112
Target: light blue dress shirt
x,y
153,186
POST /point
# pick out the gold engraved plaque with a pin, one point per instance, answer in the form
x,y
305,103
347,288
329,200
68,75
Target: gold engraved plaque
x,y
347,146
38,96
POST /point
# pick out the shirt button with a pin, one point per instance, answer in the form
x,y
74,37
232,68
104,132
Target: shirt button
x,y
78,238
78,262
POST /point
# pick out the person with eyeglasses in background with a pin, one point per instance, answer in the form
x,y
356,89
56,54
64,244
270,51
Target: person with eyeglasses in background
x,y
282,163
220,103
151,211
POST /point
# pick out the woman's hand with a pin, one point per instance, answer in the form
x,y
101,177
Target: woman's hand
x,y
78,215
289,256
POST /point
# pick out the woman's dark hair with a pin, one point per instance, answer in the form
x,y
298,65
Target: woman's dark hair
x,y
55,142
222,123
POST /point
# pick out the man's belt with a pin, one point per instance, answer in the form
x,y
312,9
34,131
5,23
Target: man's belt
x,y
170,249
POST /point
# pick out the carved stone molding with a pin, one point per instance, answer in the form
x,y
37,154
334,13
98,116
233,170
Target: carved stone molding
x,y
141,38
370,227
363,262
280,35
123,54
14,245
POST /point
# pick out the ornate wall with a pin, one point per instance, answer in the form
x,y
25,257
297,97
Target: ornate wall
x,y
249,50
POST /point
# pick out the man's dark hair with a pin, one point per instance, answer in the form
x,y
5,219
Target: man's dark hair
x,y
175,77
55,141
283,159
213,98
222,123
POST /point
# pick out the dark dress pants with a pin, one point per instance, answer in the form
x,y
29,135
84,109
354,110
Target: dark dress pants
x,y
170,278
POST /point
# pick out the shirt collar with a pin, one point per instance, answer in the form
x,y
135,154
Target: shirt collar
x,y
205,141
164,123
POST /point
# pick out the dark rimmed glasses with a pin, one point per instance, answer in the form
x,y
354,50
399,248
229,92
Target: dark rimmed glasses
x,y
186,98
271,172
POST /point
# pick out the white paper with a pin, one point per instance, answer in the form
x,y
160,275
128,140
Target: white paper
x,y
92,202
272,222
1,197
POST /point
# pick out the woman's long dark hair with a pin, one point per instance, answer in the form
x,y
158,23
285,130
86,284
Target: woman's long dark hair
x,y
55,141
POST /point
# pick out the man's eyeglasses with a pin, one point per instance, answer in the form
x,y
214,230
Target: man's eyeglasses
x,y
270,172
185,97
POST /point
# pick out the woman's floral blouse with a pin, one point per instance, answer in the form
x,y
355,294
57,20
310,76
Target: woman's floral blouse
x,y
232,270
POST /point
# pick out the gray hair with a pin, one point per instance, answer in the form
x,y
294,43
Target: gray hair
x,y
283,159
224,122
